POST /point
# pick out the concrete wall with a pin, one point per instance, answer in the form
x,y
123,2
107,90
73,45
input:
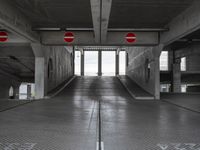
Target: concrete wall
x,y
193,63
139,60
6,83
62,65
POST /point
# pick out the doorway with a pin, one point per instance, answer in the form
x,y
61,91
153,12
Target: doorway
x,y
77,63
122,63
91,63
108,63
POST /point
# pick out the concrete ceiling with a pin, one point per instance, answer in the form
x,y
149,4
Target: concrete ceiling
x,y
17,61
124,13
145,13
56,13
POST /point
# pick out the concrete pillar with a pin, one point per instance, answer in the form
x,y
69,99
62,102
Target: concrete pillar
x,y
40,78
176,74
29,91
82,62
156,69
117,62
99,63
73,63
170,60
16,91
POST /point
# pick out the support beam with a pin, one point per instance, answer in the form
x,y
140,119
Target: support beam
x,y
37,49
176,84
40,78
85,38
14,21
100,16
96,17
82,62
28,91
106,9
117,62
5,73
184,24
99,63
187,51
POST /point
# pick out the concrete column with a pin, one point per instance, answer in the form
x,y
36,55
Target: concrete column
x,y
117,62
170,60
40,78
156,69
82,62
16,91
28,91
73,63
99,63
176,74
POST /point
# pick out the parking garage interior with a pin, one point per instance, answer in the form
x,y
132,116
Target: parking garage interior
x,y
99,75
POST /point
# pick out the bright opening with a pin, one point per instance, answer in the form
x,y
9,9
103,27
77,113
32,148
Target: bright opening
x,y
77,62
164,61
165,87
11,93
122,63
108,63
27,91
183,64
91,63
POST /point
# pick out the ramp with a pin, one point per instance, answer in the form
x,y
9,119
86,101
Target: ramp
x,y
135,90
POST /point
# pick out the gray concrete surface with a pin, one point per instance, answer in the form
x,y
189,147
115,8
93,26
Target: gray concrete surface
x,y
69,121
6,104
189,101
143,68
135,90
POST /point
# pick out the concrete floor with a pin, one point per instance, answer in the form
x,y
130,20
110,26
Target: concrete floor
x,y
190,101
6,104
70,121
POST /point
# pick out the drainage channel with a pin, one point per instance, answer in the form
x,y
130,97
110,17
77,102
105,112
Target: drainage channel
x,y
100,144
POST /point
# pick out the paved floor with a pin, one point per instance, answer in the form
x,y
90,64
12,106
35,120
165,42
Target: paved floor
x,y
70,121
6,104
189,101
135,90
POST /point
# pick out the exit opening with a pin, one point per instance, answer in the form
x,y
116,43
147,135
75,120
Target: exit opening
x,y
108,63
91,63
122,62
77,62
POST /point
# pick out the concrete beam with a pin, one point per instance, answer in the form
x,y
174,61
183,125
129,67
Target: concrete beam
x,y
85,38
37,50
14,21
106,9
187,51
182,25
96,17
12,76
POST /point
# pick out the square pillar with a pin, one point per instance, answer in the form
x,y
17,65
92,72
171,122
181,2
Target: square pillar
x,y
99,63
28,91
117,63
82,62
156,69
176,74
40,78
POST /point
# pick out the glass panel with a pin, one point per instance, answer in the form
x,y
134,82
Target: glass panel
x,y
122,63
108,63
77,63
91,63
183,64
165,87
23,91
164,61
